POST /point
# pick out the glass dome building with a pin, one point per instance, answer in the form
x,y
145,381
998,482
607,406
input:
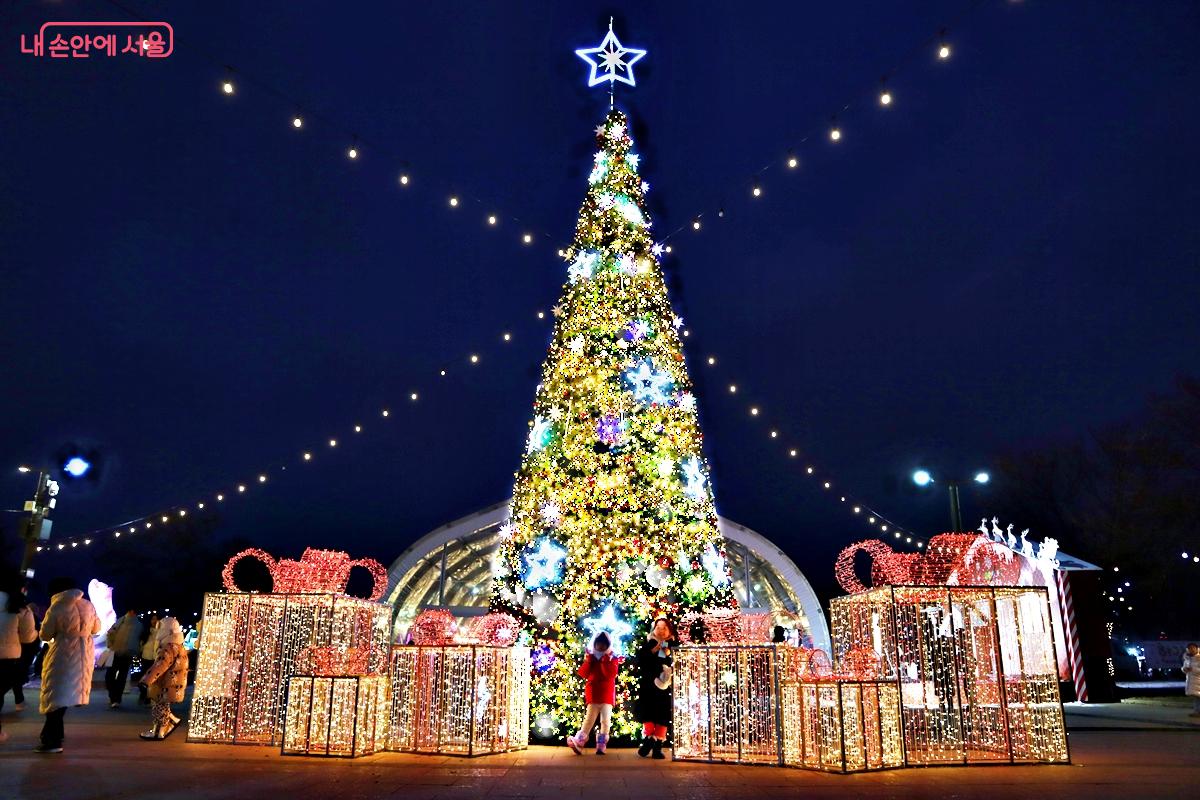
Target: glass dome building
x,y
451,567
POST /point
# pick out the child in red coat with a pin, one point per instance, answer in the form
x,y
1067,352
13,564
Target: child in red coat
x,y
599,669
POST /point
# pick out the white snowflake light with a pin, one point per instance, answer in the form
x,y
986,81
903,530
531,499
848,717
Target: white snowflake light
x,y
584,265
693,477
714,565
551,513
666,468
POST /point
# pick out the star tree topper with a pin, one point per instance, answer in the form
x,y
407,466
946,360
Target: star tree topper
x,y
611,61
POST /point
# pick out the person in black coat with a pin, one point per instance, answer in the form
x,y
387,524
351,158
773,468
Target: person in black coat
x,y
653,707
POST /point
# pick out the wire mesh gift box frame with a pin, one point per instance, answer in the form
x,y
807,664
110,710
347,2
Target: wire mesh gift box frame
x,y
976,669
462,700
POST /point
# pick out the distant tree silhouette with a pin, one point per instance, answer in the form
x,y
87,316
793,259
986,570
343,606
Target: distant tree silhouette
x,y
1124,495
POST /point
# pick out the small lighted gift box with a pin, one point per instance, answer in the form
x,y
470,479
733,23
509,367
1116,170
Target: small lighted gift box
x,y
726,703
841,724
455,699
344,716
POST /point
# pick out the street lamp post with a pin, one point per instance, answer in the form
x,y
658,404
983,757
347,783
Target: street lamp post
x,y
37,526
922,478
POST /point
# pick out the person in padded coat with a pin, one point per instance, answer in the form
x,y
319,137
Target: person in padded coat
x,y
653,708
166,680
599,669
69,626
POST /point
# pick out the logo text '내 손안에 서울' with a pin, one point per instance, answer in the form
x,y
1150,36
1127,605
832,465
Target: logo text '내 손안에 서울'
x,y
102,39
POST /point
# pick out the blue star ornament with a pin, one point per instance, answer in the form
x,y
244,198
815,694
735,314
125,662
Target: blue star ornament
x,y
611,61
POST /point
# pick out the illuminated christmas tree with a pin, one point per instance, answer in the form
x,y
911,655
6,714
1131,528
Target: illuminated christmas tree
x,y
612,515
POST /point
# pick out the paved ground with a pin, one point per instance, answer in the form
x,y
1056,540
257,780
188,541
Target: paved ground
x,y
1154,754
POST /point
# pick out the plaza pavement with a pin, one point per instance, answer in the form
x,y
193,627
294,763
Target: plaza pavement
x,y
1144,750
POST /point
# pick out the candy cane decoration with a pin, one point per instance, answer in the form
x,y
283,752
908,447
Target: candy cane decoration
x,y
1073,655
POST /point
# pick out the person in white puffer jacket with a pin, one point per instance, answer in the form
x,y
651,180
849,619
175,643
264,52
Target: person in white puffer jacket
x,y
1191,675
69,626
16,629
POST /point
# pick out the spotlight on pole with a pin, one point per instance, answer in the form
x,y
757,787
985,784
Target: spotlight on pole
x,y
982,477
922,477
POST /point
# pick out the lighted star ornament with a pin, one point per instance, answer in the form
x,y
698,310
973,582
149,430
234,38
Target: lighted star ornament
x,y
543,564
609,621
611,61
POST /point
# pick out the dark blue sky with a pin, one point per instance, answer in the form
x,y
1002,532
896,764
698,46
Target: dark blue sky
x,y
1006,255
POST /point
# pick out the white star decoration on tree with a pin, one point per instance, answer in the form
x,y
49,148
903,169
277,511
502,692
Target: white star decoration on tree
x,y
649,384
609,621
543,564
611,61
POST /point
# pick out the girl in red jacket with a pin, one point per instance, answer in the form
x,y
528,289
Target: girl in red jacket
x,y
599,669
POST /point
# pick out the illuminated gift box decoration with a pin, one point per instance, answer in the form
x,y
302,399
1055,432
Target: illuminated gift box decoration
x,y
726,703
975,666
250,644
330,715
466,700
846,722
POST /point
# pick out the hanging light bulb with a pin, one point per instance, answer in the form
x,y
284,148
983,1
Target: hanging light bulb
x,y
491,219
527,238
352,153
403,180
943,49
297,122
227,87
792,161
696,224
885,98
453,202
835,134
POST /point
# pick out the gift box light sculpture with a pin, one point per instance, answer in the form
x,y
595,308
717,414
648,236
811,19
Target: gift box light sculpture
x,y
250,644
726,704
846,722
330,715
465,700
976,669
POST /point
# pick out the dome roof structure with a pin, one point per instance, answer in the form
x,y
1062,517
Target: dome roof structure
x,y
451,567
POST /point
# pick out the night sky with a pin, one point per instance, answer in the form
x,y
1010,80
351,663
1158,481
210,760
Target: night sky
x,y
189,285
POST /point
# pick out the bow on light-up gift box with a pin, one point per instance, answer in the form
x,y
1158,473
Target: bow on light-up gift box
x,y
252,643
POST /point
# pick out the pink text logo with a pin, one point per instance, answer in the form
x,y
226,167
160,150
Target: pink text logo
x,y
108,39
